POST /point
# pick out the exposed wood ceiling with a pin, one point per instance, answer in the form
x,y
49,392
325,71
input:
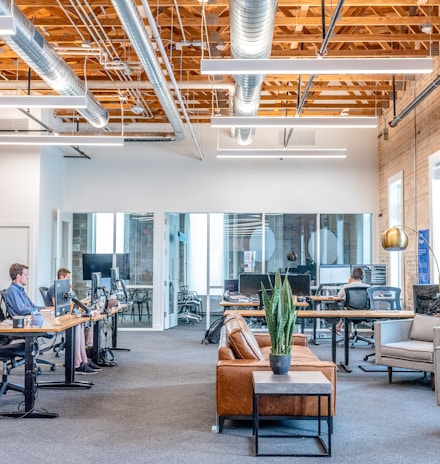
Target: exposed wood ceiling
x,y
89,37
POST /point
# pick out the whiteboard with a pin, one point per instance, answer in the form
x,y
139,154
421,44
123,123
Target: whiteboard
x,y
14,248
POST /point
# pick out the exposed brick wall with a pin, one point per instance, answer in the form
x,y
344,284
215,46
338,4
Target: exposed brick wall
x,y
407,149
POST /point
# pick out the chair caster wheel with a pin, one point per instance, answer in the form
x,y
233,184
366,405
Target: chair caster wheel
x,y
52,368
365,358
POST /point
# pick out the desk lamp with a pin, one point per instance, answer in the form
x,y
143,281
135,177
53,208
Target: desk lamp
x,y
396,239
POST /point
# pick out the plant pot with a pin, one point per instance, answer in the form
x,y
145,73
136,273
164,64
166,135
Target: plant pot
x,y
280,363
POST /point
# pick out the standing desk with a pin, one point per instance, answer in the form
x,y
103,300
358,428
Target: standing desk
x,y
97,319
30,334
335,315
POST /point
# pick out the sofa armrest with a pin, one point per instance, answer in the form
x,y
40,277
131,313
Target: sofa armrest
x,y
391,331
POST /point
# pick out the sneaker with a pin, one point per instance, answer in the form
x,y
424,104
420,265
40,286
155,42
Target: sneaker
x,y
94,366
84,369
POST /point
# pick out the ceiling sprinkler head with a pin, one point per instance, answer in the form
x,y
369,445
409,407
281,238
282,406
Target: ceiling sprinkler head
x,y
137,109
427,28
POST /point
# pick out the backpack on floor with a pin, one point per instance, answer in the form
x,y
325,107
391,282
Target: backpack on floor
x,y
212,335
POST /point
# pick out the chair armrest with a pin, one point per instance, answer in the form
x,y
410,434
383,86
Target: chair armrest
x,y
437,371
436,338
391,331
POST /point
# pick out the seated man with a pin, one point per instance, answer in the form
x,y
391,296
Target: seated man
x,y
83,365
17,300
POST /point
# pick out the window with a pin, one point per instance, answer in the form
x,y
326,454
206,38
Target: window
x,y
434,165
395,208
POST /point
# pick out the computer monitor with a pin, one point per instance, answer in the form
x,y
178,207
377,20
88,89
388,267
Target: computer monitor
x,y
425,298
334,274
250,283
96,288
300,284
62,297
114,279
231,285
374,274
96,262
103,262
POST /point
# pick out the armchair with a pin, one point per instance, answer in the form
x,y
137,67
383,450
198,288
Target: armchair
x,y
409,344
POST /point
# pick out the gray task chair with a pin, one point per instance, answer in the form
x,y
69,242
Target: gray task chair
x,y
384,297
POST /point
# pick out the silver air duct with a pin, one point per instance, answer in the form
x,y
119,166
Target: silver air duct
x,y
134,27
252,26
31,46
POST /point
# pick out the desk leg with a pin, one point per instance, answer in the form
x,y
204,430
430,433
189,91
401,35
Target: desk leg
x,y
115,334
334,324
346,365
314,339
69,367
29,387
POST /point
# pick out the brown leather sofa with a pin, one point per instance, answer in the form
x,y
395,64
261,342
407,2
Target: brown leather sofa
x,y
240,352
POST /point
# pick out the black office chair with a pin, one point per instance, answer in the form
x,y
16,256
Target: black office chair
x,y
358,298
12,355
43,292
4,314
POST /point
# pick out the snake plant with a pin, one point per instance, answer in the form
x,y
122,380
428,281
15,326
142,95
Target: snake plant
x,y
281,314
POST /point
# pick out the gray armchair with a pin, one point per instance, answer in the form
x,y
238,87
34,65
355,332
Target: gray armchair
x,y
409,344
437,371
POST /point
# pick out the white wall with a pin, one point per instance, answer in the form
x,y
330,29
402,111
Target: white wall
x,y
19,202
167,177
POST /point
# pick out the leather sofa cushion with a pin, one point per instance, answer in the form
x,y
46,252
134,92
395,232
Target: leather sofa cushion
x,y
241,339
412,350
422,327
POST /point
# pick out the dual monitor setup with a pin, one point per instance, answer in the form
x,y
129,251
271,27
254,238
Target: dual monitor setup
x,y
329,275
96,267
64,297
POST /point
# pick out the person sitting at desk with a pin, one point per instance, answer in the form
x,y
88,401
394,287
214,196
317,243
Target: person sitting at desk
x,y
17,300
83,365
355,280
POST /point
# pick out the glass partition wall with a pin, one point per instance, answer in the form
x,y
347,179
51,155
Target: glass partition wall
x,y
127,240
201,251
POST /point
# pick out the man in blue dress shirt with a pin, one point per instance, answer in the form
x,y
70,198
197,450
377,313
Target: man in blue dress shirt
x,y
17,300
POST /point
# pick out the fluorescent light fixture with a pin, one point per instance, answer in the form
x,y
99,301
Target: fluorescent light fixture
x,y
89,140
42,101
7,25
285,153
318,66
305,122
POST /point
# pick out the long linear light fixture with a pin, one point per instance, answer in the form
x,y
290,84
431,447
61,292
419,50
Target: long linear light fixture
x,y
42,101
7,25
59,140
305,122
318,66
284,153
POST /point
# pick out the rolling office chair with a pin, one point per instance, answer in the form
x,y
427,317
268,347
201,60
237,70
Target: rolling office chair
x,y
384,297
12,355
358,298
55,346
4,314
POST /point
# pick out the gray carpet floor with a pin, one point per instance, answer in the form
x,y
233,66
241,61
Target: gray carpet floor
x,y
158,406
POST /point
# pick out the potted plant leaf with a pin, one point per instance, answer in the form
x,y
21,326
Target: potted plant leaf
x,y
281,315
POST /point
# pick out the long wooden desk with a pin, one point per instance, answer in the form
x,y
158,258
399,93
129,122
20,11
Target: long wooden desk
x,y
335,315
64,323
